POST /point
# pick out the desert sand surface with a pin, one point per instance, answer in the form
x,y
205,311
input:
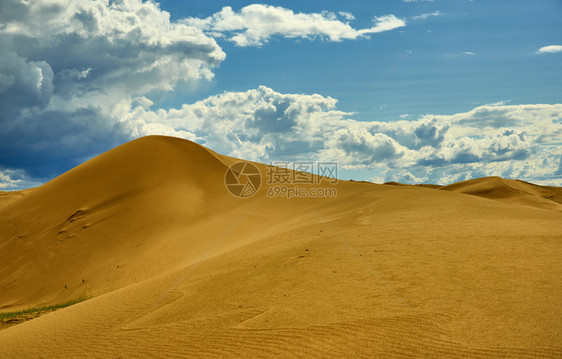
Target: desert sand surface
x,y
175,266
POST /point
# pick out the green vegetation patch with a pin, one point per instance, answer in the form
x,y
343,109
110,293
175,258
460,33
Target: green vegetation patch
x,y
8,319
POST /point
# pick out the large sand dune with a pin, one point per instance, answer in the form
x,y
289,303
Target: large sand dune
x,y
178,267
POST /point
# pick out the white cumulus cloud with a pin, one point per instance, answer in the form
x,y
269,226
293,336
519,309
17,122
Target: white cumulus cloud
x,y
523,141
256,24
14,179
550,49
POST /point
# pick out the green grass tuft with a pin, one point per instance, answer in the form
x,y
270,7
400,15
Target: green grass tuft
x,y
30,313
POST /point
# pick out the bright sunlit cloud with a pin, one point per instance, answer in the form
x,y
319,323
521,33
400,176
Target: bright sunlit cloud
x,y
550,49
256,24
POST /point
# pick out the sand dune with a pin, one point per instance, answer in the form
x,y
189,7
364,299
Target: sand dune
x,y
178,267
510,191
8,197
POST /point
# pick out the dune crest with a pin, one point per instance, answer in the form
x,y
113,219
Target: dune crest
x,y
510,191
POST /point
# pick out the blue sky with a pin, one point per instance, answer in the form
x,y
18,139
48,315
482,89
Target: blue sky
x,y
410,91
438,77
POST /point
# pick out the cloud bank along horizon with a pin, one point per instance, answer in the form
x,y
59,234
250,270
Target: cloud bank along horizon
x,y
78,78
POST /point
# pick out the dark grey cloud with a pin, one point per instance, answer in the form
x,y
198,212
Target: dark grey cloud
x,y
48,143
494,117
368,148
431,132
65,72
23,84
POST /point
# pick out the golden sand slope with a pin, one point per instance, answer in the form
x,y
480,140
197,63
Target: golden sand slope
x,y
510,191
8,197
180,268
